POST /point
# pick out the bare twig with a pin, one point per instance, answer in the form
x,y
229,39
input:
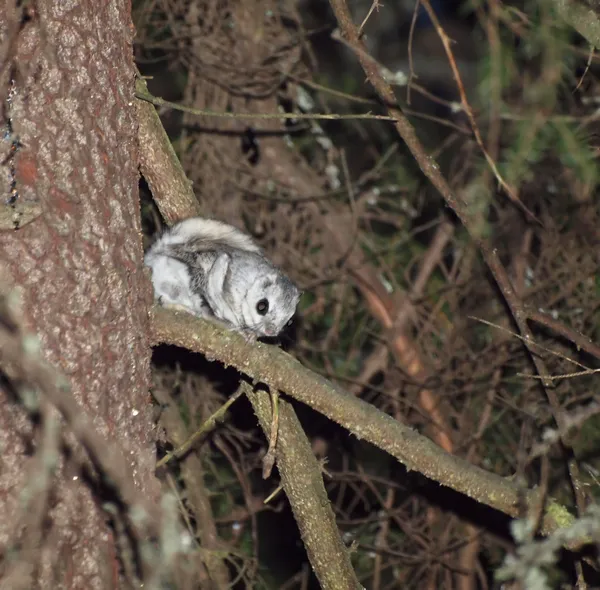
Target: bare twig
x,y
207,426
587,67
375,5
160,102
469,111
411,33
580,340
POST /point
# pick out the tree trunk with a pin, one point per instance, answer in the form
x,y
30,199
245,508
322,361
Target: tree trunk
x,y
73,151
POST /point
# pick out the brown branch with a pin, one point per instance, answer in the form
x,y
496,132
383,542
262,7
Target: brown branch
x,y
577,338
279,370
160,166
303,484
469,111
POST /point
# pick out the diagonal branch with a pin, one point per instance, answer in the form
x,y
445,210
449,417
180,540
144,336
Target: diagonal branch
x,y
279,370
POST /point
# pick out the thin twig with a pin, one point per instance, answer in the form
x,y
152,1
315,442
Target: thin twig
x,y
587,67
564,376
208,425
469,111
534,344
160,102
582,342
374,6
411,68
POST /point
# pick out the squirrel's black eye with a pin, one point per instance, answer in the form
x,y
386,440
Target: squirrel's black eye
x,y
290,322
262,307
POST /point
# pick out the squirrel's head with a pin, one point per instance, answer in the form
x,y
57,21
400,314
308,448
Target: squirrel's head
x,y
269,304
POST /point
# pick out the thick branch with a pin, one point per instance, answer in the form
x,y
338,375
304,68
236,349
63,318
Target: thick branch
x,y
160,166
280,370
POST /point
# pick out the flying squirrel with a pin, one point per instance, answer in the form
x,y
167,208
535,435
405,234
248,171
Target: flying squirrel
x,y
214,270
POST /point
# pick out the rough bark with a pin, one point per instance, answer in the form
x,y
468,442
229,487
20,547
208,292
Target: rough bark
x,y
78,269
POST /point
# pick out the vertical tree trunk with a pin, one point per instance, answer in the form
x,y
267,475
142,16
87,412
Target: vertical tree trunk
x,y
78,267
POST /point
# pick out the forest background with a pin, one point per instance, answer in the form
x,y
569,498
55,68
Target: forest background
x,y
427,174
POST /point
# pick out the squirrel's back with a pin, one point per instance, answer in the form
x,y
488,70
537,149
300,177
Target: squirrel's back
x,y
207,234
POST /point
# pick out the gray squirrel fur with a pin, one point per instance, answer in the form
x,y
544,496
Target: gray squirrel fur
x,y
214,270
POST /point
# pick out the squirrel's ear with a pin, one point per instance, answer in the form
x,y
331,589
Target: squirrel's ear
x,y
269,279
